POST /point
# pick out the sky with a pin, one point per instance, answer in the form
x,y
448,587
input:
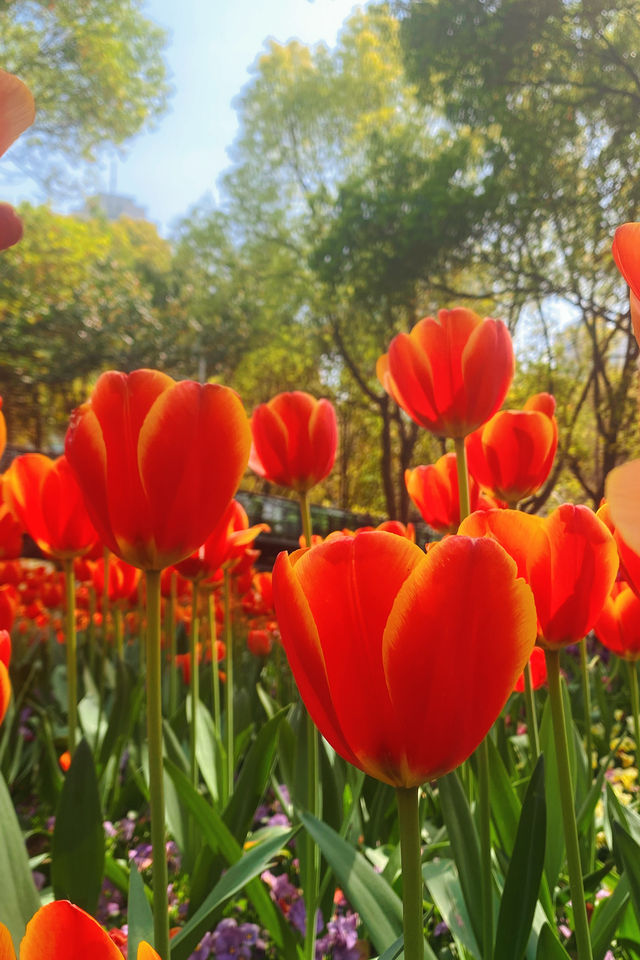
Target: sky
x,y
212,45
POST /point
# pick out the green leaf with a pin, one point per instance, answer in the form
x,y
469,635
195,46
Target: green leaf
x,y
554,850
244,873
443,882
629,852
606,918
207,751
549,947
522,883
465,845
139,914
379,907
77,848
505,805
19,898
253,779
220,840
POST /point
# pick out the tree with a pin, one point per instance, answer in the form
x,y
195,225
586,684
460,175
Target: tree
x,y
96,72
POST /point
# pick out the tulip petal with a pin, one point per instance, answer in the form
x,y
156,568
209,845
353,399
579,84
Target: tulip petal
x,y
5,691
61,929
11,228
461,605
6,944
622,490
146,952
17,109
626,253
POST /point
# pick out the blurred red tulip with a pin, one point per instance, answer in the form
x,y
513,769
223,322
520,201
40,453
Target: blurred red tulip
x,y
123,579
295,438
259,642
8,605
158,462
45,497
626,253
434,641
629,559
434,491
17,112
231,538
569,560
62,931
618,626
451,374
5,683
513,453
538,665
3,430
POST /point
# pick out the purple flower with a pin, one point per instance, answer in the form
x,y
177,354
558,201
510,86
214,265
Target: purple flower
x,y
341,939
235,942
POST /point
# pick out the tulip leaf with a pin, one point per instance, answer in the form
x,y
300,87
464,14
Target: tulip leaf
x,y
554,851
244,873
380,909
77,848
443,882
505,805
139,915
606,918
629,852
463,836
220,840
206,747
19,898
549,947
522,883
253,778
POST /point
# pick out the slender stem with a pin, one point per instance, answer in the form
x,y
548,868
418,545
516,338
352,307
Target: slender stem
x,y
463,478
305,515
586,702
411,854
484,810
312,859
72,667
532,718
142,627
117,618
635,704
568,811
228,639
156,784
106,556
92,630
214,663
194,681
171,644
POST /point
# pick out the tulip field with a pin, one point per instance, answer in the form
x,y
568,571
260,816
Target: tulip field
x,y
377,749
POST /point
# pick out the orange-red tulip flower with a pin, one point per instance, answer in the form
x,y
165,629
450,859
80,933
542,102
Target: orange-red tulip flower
x,y
513,453
11,531
622,491
629,559
569,559
259,642
538,665
295,438
626,253
404,659
434,490
618,626
62,931
451,374
228,541
3,430
17,112
5,683
45,497
158,461
123,579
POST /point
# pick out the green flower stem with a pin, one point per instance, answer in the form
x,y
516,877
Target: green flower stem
x,y
463,478
91,633
72,667
568,811
170,630
484,810
214,663
411,854
141,644
194,681
228,639
586,701
532,718
311,880
635,704
106,556
118,625
156,784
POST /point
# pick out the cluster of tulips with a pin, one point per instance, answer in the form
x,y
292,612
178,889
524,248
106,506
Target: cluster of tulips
x,y
378,633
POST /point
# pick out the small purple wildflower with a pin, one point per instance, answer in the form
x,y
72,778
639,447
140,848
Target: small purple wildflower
x,y
233,941
341,939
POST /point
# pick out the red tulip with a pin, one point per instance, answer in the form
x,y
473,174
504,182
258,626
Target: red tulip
x,y
158,462
11,531
629,559
123,579
45,497
513,453
62,931
229,540
622,488
626,253
17,112
451,374
403,659
434,490
3,430
569,560
294,440
259,642
618,626
5,683
538,666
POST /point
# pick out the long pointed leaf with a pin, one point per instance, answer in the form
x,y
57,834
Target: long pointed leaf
x,y
19,898
139,915
465,845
